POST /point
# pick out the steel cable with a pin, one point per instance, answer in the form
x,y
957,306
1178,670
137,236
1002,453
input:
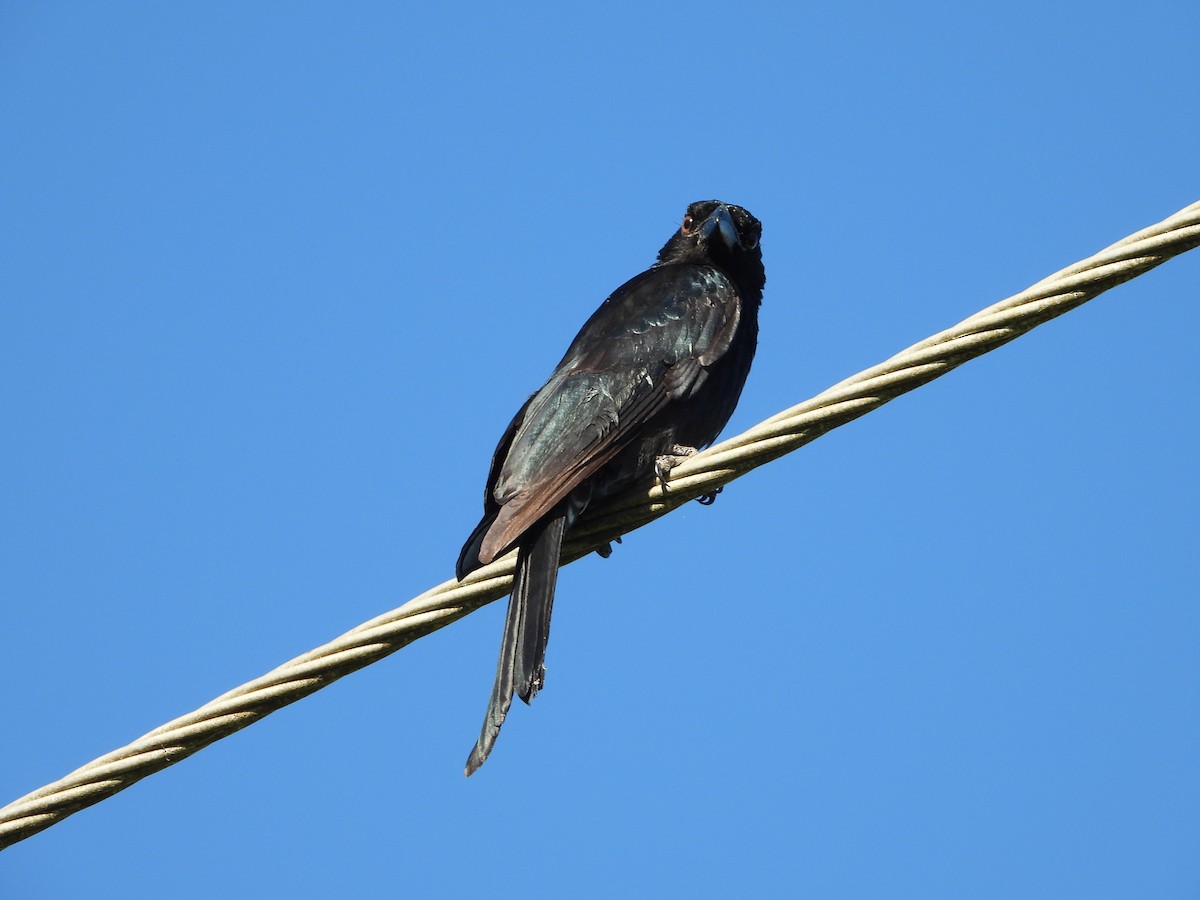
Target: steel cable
x,y
700,475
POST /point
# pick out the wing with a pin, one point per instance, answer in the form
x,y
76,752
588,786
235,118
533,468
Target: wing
x,y
649,344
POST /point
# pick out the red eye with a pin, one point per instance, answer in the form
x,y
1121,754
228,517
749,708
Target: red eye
x,y
687,223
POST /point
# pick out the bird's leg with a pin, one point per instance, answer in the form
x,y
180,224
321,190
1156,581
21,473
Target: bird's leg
x,y
663,465
668,461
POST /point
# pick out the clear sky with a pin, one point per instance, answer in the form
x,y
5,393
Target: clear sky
x,y
273,278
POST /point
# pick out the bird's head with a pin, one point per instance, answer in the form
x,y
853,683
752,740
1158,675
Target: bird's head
x,y
722,235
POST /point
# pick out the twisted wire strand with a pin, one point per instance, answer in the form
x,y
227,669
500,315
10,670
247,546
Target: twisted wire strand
x,y
695,477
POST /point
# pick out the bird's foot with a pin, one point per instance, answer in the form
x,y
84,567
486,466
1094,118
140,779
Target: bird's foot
x,y
668,461
605,550
709,498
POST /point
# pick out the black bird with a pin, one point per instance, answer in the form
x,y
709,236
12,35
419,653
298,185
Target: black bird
x,y
652,377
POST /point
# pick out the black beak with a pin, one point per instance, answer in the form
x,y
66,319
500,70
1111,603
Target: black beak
x,y
721,222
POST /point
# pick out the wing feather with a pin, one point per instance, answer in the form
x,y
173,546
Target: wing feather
x,y
646,346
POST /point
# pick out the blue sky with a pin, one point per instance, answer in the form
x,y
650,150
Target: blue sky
x,y
274,278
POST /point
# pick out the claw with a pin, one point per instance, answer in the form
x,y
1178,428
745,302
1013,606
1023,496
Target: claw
x,y
710,498
668,461
605,551
662,470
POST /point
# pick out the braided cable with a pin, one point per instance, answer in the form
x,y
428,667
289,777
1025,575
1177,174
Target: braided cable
x,y
702,474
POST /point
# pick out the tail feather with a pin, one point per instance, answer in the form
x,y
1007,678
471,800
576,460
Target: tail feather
x,y
521,668
502,689
535,583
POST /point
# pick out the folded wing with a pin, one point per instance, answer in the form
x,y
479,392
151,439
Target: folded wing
x,y
649,345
